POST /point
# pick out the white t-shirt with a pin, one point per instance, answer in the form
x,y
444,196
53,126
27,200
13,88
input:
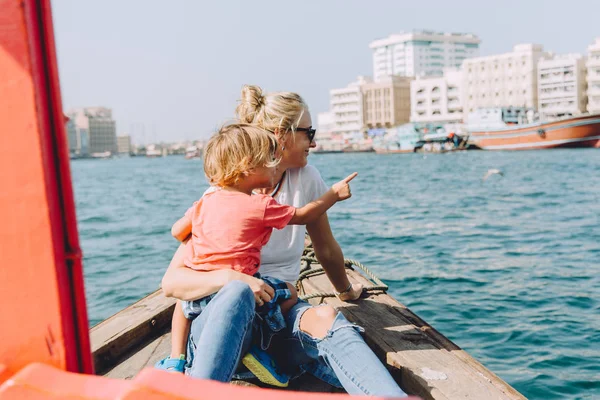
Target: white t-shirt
x,y
280,258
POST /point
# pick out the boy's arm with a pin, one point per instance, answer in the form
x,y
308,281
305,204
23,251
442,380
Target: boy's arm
x,y
313,210
182,228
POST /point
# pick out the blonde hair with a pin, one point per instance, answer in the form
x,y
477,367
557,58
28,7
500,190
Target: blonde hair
x,y
236,149
280,111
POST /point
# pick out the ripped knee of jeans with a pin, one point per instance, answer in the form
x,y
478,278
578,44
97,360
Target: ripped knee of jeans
x,y
340,322
328,322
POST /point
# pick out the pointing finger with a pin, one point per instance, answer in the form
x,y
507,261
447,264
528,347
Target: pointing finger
x,y
350,177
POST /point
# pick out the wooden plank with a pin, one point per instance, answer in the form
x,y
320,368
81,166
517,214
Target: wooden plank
x,y
421,359
126,332
147,356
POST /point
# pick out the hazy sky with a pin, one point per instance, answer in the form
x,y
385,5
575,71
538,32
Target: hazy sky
x,y
173,70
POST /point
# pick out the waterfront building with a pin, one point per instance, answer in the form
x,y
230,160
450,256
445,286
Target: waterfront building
x,y
503,80
346,105
386,102
97,126
593,77
437,99
562,86
421,53
325,124
78,139
124,144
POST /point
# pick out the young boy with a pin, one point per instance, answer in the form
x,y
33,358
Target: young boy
x,y
230,225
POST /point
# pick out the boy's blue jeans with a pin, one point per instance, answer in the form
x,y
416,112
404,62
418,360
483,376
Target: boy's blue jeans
x,y
222,334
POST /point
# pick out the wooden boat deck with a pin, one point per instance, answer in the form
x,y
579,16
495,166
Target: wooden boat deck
x,y
422,360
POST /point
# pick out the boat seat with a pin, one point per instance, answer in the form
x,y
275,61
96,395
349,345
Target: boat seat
x,y
153,384
41,381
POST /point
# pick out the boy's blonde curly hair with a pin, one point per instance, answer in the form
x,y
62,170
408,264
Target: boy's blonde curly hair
x,y
237,149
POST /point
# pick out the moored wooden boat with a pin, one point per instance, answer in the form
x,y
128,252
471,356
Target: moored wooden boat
x,y
583,131
422,360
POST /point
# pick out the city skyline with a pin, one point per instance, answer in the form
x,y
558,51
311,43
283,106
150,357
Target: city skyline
x,y
139,59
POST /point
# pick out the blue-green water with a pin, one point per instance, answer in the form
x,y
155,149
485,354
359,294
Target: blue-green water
x,y
507,268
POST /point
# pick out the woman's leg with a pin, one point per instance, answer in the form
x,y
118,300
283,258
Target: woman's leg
x,y
324,332
221,333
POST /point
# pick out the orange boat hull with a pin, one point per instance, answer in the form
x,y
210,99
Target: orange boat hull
x,y
573,132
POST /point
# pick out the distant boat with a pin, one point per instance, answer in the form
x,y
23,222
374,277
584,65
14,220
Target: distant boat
x,y
192,152
581,131
153,152
441,143
324,151
103,154
358,148
400,139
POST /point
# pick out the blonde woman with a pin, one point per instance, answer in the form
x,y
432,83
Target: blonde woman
x,y
317,340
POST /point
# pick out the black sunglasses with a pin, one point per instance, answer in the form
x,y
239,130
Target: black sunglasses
x,y
310,132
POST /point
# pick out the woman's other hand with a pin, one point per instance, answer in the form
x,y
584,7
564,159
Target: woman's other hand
x,y
353,294
262,291
342,188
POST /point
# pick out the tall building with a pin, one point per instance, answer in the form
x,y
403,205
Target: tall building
x,y
78,138
346,105
562,86
421,53
386,103
502,80
124,144
325,122
593,77
96,125
437,99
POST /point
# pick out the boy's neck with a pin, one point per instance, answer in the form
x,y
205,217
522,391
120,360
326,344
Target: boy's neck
x,y
270,190
238,188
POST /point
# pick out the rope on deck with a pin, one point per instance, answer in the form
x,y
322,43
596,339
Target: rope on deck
x,y
306,271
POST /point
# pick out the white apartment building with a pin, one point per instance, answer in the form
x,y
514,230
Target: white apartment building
x,y
346,105
421,53
95,126
325,124
562,86
437,99
593,77
502,80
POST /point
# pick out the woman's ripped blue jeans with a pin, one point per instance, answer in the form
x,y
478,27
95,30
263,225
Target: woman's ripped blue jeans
x,y
222,334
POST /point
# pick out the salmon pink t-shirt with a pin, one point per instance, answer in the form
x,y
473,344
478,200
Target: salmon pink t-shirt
x,y
230,228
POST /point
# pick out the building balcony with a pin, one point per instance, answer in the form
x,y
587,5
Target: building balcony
x,y
454,105
593,91
592,63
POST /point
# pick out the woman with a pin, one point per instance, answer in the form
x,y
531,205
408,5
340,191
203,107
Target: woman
x,y
317,339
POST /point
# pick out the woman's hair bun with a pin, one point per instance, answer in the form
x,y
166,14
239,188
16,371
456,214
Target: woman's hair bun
x,y
250,104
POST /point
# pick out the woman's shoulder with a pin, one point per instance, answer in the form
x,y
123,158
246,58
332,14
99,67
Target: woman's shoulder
x,y
307,181
309,172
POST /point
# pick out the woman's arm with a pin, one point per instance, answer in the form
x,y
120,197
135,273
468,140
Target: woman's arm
x,y
329,254
182,228
340,191
184,283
